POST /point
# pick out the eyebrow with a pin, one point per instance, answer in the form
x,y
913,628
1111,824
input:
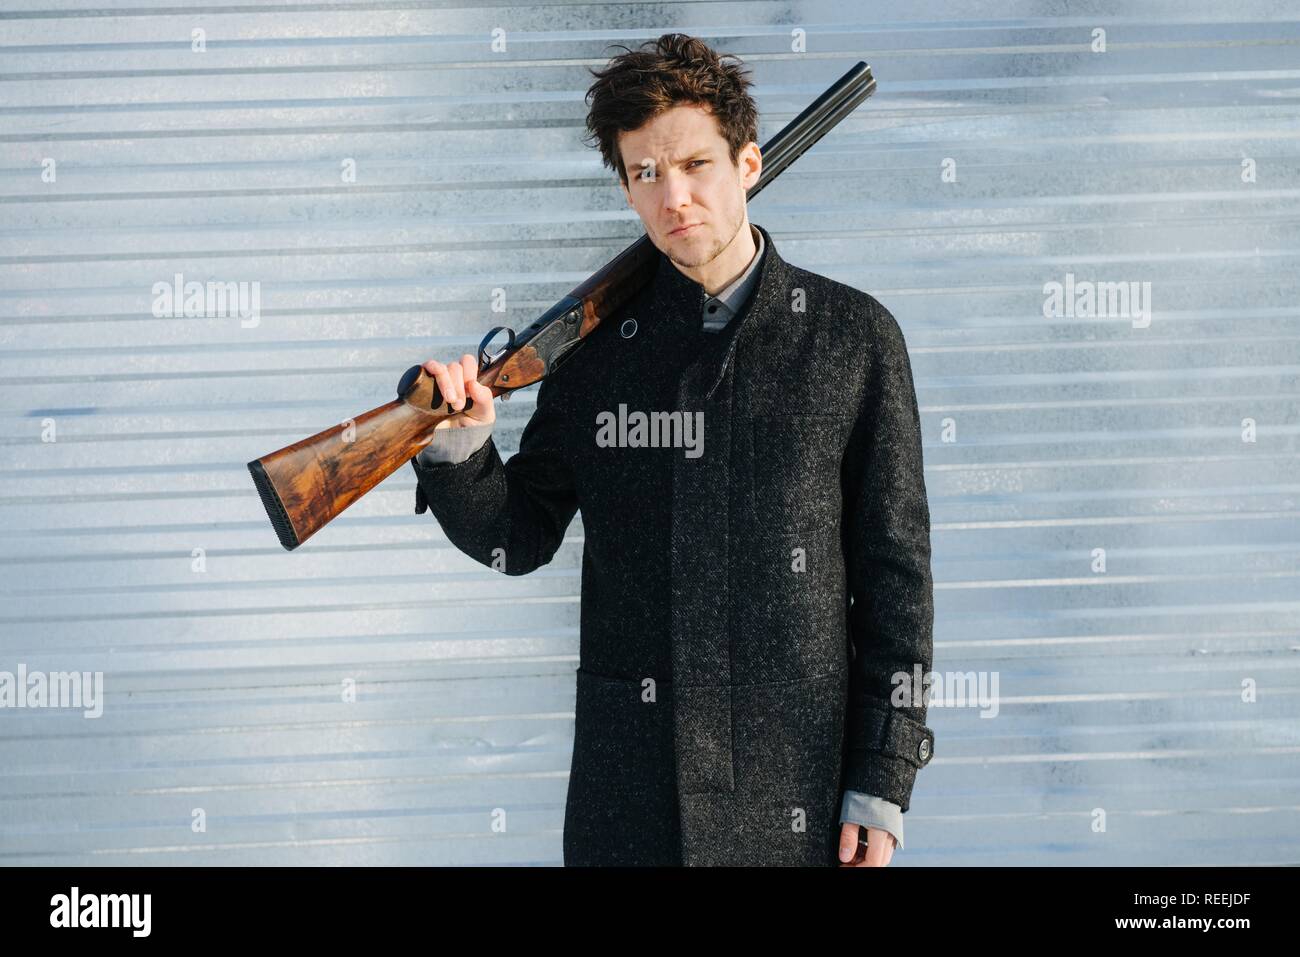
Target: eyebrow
x,y
703,153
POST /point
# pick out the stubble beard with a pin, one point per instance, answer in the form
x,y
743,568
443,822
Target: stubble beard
x,y
713,254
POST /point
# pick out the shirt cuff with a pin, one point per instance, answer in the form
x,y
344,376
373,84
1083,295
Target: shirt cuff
x,y
454,445
869,811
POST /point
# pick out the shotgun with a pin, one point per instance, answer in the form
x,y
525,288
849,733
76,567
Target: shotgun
x,y
306,485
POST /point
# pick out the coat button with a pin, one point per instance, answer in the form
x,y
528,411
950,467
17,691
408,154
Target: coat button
x,y
628,329
923,749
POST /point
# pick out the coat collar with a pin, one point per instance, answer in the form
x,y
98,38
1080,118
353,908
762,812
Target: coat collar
x,y
679,299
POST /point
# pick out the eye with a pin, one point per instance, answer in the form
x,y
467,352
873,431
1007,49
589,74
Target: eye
x,y
693,162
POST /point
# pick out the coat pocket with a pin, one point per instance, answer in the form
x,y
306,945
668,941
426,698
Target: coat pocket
x,y
621,805
796,473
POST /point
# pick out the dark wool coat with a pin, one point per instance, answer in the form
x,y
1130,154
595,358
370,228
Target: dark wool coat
x,y
742,611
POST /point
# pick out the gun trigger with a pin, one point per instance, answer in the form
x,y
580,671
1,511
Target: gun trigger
x,y
486,358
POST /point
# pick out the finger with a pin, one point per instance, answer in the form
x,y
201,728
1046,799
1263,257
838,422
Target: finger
x,y
484,412
457,374
848,842
469,366
880,847
441,378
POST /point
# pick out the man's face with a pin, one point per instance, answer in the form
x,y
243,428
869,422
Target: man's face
x,y
680,174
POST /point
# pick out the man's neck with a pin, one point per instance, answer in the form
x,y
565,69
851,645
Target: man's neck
x,y
718,274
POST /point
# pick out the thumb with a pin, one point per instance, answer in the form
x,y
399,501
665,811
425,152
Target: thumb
x,y
848,842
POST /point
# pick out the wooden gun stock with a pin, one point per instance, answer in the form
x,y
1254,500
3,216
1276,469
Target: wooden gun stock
x,y
306,485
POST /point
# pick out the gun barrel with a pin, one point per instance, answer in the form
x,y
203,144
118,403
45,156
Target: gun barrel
x,y
839,100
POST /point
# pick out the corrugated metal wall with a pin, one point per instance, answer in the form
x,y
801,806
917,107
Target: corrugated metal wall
x,y
1046,438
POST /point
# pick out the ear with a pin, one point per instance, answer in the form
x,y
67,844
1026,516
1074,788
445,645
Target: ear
x,y
750,161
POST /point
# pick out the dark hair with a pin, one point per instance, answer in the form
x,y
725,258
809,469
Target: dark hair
x,y
676,69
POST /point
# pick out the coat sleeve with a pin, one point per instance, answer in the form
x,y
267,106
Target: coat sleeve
x,y
454,446
509,515
891,616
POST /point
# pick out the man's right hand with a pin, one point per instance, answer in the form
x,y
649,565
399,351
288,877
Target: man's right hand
x,y
456,380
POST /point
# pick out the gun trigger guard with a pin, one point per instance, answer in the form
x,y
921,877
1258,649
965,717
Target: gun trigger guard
x,y
486,358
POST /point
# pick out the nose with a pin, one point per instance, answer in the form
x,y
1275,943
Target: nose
x,y
677,192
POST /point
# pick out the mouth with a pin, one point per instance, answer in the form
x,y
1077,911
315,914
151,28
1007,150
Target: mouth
x,y
683,230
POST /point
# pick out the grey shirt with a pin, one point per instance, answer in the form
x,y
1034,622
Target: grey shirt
x,y
719,309
456,445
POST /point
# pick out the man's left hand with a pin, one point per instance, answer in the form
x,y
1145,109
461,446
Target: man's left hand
x,y
877,852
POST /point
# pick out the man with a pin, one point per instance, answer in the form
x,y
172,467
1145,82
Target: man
x,y
743,442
